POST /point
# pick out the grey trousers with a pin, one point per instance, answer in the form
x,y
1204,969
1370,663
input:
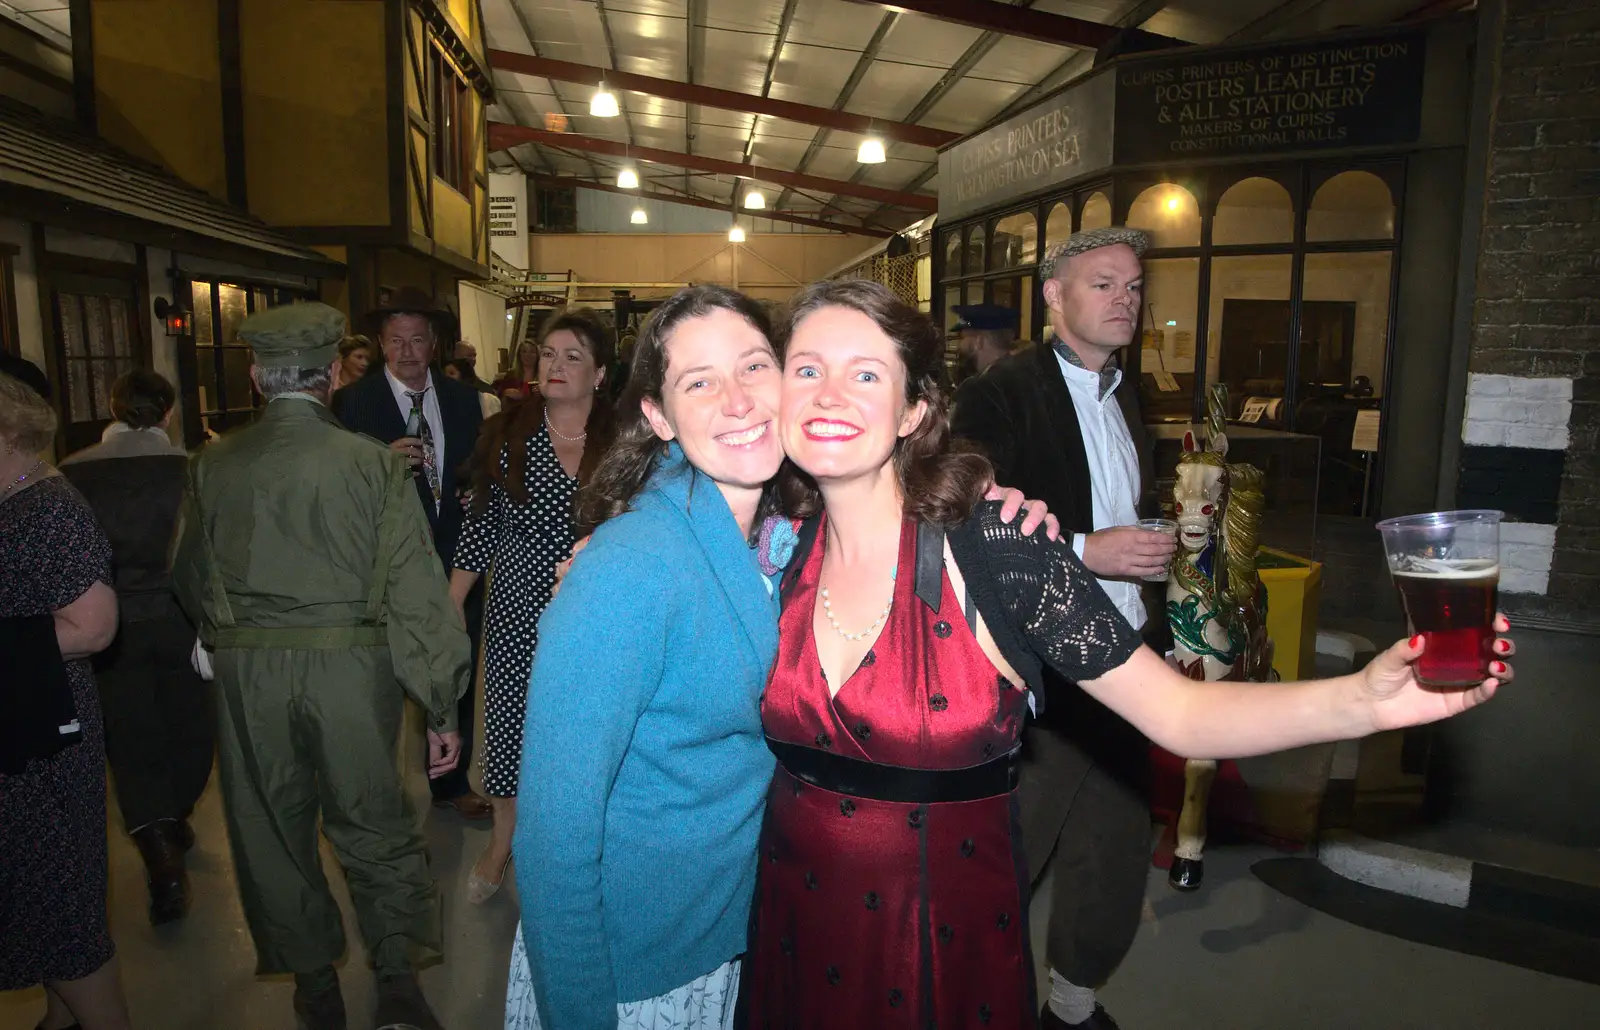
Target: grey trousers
x,y
1088,811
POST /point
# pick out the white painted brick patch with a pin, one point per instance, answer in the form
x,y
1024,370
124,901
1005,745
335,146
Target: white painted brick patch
x,y
1513,411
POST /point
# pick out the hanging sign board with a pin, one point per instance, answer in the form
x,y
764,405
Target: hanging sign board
x,y
1348,92
1056,140
508,229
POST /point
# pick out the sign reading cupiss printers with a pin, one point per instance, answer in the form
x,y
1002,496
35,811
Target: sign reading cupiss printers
x,y
1058,139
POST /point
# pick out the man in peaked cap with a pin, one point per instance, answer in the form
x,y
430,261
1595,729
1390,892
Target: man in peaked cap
x,y
306,561
1060,424
987,333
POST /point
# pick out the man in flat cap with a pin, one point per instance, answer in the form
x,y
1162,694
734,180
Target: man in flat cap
x,y
1061,425
433,421
306,561
985,334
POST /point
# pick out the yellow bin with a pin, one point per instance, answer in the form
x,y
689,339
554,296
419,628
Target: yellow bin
x,y
1294,590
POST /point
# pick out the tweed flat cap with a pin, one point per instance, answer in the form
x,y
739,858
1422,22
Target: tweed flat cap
x,y
302,335
1093,239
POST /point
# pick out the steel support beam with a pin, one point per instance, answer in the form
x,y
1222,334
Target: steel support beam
x,y
726,99
993,16
561,181
503,136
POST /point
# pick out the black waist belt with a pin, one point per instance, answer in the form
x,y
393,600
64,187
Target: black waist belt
x,y
896,783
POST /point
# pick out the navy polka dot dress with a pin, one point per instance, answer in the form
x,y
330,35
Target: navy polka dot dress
x,y
523,543
53,814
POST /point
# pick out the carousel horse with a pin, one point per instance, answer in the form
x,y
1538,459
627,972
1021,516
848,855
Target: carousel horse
x,y
1216,606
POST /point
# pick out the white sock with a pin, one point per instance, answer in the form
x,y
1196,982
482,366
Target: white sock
x,y
1073,1004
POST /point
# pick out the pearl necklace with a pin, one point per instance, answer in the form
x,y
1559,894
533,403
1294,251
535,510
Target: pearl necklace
x,y
883,616
35,467
556,432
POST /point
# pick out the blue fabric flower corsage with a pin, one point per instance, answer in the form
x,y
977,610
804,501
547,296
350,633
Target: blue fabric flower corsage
x,y
776,543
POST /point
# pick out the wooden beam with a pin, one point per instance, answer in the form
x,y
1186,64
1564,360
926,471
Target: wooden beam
x,y
726,99
1007,20
503,136
561,181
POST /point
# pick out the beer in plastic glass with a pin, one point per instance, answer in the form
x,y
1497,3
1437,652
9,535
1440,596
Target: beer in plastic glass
x,y
1446,566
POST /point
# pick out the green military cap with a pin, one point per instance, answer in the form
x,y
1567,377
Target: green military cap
x,y
304,335
1092,239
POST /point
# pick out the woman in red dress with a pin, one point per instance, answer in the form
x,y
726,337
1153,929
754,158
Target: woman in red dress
x,y
892,890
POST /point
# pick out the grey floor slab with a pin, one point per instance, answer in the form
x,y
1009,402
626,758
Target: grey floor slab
x,y
1235,956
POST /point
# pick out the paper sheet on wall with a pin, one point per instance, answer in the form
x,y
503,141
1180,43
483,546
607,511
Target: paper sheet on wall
x,y
1165,381
1365,437
1253,410
1183,344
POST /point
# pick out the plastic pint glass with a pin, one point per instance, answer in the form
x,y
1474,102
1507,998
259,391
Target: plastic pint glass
x,y
1446,565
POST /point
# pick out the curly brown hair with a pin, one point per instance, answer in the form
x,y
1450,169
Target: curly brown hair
x,y
510,431
26,419
633,457
940,482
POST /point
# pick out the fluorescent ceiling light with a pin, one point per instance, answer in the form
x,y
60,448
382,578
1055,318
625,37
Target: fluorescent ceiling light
x,y
628,179
754,200
639,217
871,151
604,103
736,234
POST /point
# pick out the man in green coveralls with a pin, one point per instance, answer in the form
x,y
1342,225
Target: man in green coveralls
x,y
306,561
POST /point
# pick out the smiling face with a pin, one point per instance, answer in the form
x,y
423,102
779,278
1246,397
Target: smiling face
x,y
1094,301
844,397
408,345
567,369
719,400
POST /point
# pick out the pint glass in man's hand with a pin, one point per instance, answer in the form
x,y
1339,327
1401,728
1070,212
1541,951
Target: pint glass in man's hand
x,y
1446,566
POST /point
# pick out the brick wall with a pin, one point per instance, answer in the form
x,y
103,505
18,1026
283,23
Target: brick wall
x,y
1537,310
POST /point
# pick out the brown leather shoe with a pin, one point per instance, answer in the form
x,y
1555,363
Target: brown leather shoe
x,y
162,850
468,806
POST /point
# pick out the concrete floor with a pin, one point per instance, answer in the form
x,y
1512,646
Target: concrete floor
x,y
1235,956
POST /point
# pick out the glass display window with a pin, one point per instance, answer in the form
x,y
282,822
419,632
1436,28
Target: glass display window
x,y
1247,346
1096,213
1058,226
1167,338
1353,205
1016,241
1169,213
1256,210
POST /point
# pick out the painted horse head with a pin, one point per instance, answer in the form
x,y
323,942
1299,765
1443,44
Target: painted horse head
x,y
1197,495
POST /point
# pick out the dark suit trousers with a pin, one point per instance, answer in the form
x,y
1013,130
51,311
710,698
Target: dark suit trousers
x,y
454,783
1089,812
160,719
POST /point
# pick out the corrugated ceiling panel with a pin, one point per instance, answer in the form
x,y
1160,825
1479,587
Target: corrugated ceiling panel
x,y
755,16
1020,60
812,74
919,40
890,90
834,23
970,103
647,44
735,60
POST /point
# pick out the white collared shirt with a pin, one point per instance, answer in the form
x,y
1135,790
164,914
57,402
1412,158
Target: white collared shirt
x,y
1113,473
430,411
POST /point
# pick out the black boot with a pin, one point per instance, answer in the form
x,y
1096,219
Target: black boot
x,y
162,851
185,835
320,1009
1099,1019
1186,873
401,1005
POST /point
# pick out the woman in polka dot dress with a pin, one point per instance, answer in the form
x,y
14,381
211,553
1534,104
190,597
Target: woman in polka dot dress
x,y
526,468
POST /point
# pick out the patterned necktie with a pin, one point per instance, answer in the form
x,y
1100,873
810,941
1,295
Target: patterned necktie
x,y
430,460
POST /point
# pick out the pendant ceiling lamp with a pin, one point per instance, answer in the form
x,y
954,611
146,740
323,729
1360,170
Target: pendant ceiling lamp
x,y
736,234
604,102
639,217
755,200
871,151
628,179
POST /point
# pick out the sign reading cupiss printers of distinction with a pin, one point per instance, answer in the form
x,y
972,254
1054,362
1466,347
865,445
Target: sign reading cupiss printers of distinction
x,y
1353,92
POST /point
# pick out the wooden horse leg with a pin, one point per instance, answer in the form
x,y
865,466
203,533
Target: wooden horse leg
x,y
1188,857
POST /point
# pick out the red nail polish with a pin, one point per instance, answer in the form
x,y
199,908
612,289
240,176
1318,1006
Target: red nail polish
x,y
1501,647
1416,641
1497,667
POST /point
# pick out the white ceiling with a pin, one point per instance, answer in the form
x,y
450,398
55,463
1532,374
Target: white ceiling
x,y
733,41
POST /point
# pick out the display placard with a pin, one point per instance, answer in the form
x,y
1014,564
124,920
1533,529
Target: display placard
x,y
1350,92
1051,142
1365,436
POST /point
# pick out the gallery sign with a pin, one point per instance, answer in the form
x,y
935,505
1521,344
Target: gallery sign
x,y
1347,92
1061,138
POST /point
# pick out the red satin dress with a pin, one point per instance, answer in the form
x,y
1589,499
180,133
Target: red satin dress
x,y
871,914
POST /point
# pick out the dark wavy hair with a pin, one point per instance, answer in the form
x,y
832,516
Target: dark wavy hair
x,y
511,430
141,398
940,483
636,448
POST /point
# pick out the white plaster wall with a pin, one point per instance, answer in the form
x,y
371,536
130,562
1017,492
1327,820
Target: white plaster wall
x,y
484,324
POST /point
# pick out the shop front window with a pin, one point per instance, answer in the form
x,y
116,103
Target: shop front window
x,y
1343,354
1058,226
952,252
1168,212
1248,329
1096,213
1016,241
1254,210
1167,338
96,337
977,248
1354,205
223,393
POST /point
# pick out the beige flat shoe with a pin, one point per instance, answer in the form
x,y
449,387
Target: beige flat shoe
x,y
480,890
